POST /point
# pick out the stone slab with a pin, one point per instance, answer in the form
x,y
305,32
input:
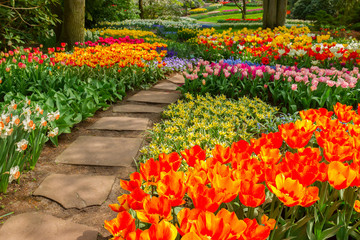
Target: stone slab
x,y
101,151
76,191
178,79
155,97
137,108
40,226
121,123
166,86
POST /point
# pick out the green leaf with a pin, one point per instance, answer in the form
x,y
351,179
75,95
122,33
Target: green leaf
x,y
328,233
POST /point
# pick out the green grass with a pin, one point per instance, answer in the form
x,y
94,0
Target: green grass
x,y
223,17
234,7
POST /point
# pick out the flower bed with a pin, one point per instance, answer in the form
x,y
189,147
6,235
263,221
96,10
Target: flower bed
x,y
290,88
241,20
287,46
213,120
294,189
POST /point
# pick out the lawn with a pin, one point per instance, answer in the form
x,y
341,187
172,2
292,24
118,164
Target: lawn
x,y
238,15
234,7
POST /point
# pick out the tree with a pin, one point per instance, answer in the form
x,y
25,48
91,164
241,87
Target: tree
x,y
74,21
141,9
274,13
242,7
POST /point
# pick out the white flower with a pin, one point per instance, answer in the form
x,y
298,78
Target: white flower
x,y
54,132
22,145
315,62
281,51
14,173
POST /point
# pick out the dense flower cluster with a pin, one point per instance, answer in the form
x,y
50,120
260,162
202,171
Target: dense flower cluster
x,y
123,32
111,40
244,20
123,54
239,174
288,46
198,10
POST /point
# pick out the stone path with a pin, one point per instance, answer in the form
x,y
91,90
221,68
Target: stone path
x,y
83,191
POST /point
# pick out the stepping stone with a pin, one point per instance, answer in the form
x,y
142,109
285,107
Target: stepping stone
x,y
155,97
40,226
121,123
137,108
178,79
166,86
101,151
76,191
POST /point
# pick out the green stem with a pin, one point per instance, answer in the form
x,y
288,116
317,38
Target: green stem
x,y
273,200
277,222
294,212
251,212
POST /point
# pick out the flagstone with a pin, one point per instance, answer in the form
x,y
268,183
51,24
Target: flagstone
x,y
101,151
40,226
166,86
155,97
178,79
137,108
121,123
76,191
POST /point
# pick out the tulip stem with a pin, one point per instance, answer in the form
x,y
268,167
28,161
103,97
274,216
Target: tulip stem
x,y
250,212
294,212
277,222
273,200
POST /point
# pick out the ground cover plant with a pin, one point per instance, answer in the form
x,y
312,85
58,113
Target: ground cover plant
x,y
207,121
299,182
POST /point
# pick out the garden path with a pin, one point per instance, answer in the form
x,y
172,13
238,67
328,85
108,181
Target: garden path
x,y
78,191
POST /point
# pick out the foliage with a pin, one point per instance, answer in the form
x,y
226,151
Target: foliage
x,y
114,10
213,120
24,129
25,22
303,9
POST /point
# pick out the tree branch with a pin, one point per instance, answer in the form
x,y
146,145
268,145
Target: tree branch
x,y
18,8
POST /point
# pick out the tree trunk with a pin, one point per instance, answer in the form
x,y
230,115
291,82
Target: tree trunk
x,y
74,22
141,9
244,9
241,8
274,13
281,12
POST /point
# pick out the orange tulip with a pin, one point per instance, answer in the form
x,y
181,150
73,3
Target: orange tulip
x,y
221,181
155,210
237,227
297,134
334,135
311,196
204,198
357,206
270,155
241,146
169,161
252,194
208,226
187,218
123,206
270,140
172,186
343,112
250,169
135,199
255,231
338,152
150,171
135,182
162,231
340,175
221,154
288,190
314,114
193,154
135,235
121,226
326,123
269,222
191,236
